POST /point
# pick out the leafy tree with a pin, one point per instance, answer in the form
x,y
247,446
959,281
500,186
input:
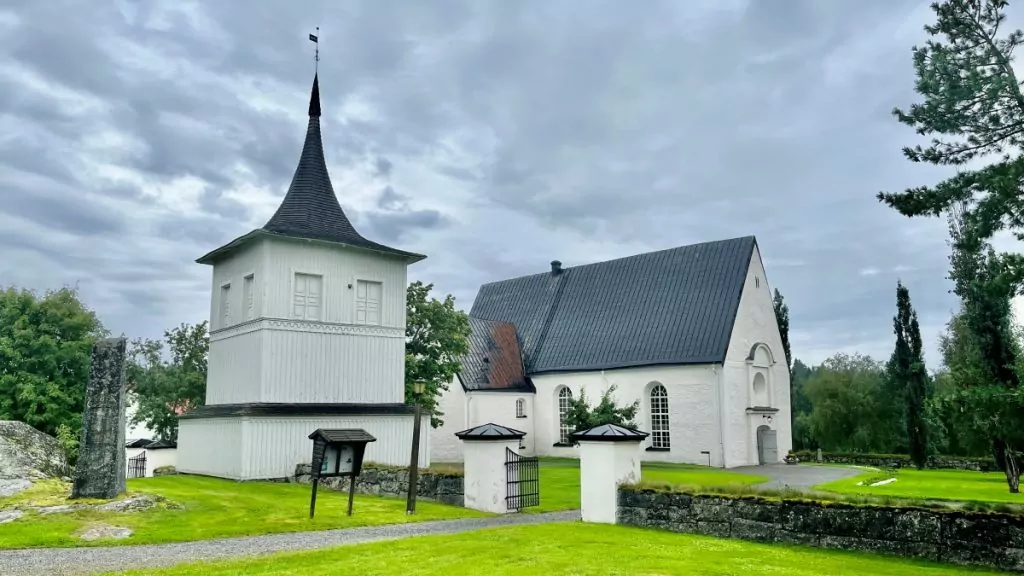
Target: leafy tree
x,y
167,388
45,358
849,406
581,416
437,337
984,364
782,316
906,373
801,405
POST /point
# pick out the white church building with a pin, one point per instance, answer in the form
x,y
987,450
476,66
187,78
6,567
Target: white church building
x,y
690,332
307,331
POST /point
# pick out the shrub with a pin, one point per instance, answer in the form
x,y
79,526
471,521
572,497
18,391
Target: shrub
x,y
69,442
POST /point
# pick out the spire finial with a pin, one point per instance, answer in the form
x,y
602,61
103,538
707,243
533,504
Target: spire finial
x,y
316,40
314,97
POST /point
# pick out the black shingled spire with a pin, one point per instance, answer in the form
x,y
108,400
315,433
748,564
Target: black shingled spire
x,y
310,209
314,98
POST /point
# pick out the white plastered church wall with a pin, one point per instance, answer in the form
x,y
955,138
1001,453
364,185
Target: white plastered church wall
x,y
692,407
463,410
755,324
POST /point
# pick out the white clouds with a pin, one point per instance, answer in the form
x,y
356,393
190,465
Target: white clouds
x,y
513,134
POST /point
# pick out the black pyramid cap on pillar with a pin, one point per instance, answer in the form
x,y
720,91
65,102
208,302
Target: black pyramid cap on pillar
x,y
490,431
609,433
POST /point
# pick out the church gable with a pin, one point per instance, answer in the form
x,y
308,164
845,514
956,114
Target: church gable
x,y
675,306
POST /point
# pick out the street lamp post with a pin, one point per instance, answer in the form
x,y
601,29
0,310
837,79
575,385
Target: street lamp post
x,y
410,503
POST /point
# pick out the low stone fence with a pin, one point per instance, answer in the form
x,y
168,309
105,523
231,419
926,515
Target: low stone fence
x,y
444,487
882,460
966,538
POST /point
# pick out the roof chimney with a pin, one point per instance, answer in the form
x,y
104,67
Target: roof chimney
x,y
556,267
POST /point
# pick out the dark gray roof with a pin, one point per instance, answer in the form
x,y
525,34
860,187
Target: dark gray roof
x,y
138,443
310,210
161,445
342,435
490,431
495,360
674,306
609,433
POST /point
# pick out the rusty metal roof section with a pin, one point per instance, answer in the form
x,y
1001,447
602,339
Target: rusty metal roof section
x,y
495,360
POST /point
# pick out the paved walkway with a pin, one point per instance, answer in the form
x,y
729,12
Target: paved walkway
x,y
797,477
75,561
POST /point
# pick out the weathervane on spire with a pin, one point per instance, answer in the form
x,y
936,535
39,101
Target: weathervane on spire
x,y
316,40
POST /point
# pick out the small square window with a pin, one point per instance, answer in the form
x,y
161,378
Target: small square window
x,y
368,302
225,305
247,289
307,296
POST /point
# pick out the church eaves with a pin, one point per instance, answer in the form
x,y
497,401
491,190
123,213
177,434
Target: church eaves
x,y
310,209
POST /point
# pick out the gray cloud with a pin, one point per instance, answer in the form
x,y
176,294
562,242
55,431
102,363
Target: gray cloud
x,y
395,218
384,167
525,132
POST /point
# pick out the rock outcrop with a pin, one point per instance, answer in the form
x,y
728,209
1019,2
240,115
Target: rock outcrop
x,y
27,455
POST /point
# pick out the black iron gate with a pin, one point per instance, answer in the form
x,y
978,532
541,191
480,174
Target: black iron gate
x,y
137,466
523,481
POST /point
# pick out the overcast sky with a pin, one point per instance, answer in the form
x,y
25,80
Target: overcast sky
x,y
492,136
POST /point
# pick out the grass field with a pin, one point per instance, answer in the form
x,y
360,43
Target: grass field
x,y
942,485
569,549
560,480
211,508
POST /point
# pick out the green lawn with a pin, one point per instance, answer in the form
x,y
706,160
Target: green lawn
x,y
956,485
570,548
210,508
560,480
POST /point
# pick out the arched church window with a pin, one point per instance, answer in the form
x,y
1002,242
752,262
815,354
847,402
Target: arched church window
x,y
564,401
659,418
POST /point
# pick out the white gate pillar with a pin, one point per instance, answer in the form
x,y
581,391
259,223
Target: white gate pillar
x,y
485,482
609,456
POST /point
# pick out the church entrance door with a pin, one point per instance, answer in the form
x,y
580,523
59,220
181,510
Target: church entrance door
x,y
767,446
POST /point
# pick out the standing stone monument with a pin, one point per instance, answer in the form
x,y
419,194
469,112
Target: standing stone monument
x,y
101,455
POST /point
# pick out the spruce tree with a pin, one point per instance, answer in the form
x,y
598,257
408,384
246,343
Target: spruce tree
x,y
782,316
907,373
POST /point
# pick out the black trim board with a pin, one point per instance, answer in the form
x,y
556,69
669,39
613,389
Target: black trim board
x,y
286,409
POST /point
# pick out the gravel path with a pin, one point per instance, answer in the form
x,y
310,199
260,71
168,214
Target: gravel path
x,y
797,477
74,561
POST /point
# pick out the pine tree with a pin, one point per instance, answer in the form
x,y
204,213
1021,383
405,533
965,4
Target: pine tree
x,y
906,372
973,100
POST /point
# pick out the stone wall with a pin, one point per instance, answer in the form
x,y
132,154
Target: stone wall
x,y
967,538
882,460
391,481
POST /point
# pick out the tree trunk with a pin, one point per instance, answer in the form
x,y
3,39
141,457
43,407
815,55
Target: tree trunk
x,y
999,453
1012,471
